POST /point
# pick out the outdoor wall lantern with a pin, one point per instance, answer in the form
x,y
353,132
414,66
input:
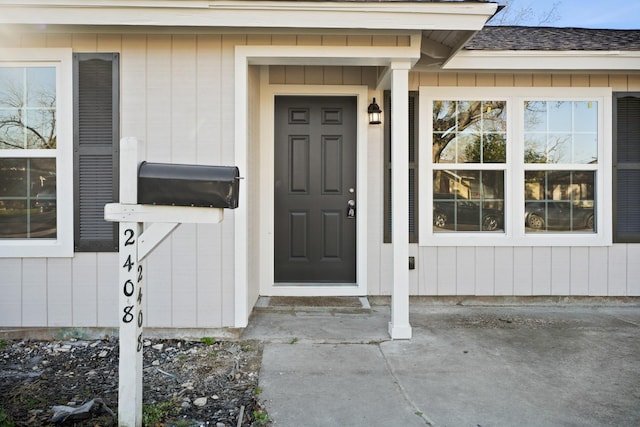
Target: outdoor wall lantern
x,y
375,113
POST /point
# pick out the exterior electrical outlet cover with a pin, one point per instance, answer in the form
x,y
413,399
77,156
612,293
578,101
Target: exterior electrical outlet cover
x,y
188,185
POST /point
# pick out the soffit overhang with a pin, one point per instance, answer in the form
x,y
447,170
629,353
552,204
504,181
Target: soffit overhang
x,y
535,60
463,16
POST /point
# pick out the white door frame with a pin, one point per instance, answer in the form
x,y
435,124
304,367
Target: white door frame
x,y
267,101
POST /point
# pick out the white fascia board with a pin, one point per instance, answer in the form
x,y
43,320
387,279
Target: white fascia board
x,y
545,60
336,55
252,14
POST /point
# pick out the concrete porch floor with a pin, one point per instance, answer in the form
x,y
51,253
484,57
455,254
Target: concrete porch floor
x,y
487,365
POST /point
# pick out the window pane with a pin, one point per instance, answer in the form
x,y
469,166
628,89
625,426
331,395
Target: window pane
x,y
535,116
559,201
561,132
494,148
535,148
469,131
468,200
11,87
585,148
28,198
28,107
558,148
559,116
12,178
41,87
585,115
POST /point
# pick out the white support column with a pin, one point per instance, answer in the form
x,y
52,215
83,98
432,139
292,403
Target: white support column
x,y
241,286
399,327
130,290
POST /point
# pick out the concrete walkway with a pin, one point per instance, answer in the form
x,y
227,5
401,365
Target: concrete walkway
x,y
465,366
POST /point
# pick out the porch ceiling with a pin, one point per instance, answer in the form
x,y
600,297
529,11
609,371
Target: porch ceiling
x,y
439,46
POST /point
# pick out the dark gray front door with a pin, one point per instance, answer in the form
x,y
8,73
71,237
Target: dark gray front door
x,y
315,178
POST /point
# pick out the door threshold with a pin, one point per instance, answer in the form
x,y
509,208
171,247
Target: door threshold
x,y
354,304
316,284
313,290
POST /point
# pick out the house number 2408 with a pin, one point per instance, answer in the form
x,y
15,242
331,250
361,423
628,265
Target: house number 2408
x,y
129,288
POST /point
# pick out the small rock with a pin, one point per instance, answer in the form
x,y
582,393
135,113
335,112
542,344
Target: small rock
x,y
185,405
147,343
221,425
200,401
215,397
155,362
188,384
158,347
103,353
91,373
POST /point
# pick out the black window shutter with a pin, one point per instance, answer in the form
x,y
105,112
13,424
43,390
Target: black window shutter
x,y
96,139
626,168
413,166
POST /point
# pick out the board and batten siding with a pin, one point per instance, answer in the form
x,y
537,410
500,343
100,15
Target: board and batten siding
x,y
177,96
523,271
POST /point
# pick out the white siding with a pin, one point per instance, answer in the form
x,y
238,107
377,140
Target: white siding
x,y
108,290
84,304
484,270
466,279
617,271
34,292
523,271
504,267
11,291
59,295
579,262
633,269
447,271
177,96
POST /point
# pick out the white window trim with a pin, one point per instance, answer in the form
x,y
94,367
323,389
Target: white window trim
x,y
61,59
514,234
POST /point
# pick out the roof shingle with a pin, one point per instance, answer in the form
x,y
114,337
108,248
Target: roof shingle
x,y
549,38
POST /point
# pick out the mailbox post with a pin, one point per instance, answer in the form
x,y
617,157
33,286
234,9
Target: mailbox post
x,y
143,227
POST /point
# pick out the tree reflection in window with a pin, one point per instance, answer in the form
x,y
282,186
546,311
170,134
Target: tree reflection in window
x,y
561,132
28,108
28,139
469,132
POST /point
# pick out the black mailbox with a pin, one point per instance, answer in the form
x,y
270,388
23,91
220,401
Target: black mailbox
x,y
188,185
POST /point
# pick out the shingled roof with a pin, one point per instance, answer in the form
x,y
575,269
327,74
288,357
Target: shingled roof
x,y
548,38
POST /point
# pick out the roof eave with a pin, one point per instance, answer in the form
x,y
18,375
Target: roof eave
x,y
252,14
534,60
